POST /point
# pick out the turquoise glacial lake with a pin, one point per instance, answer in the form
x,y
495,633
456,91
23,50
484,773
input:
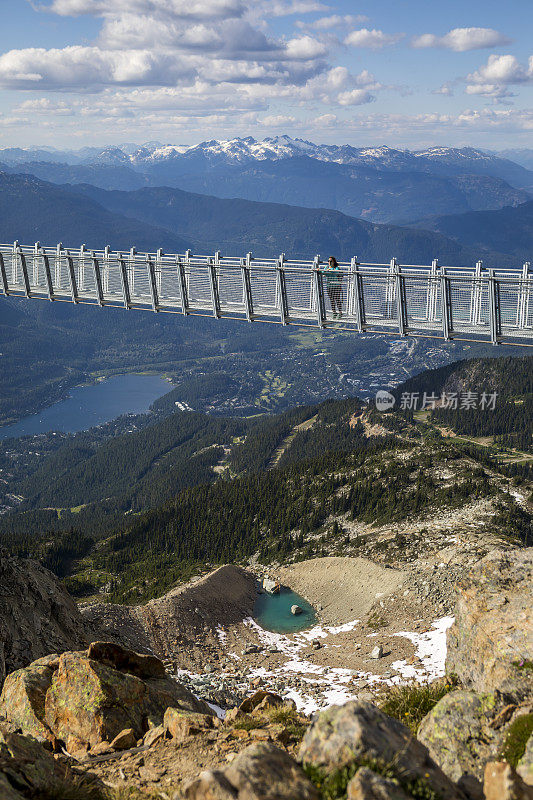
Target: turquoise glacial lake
x,y
273,612
91,405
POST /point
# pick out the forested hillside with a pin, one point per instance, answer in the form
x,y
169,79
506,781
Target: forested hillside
x,y
236,226
139,511
509,422
507,230
32,210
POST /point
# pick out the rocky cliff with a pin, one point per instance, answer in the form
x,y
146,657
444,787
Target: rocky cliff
x,y
37,615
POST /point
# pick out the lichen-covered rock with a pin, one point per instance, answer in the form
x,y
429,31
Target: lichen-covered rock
x,y
89,702
260,772
359,733
82,701
503,783
493,630
37,615
367,785
23,698
525,765
458,734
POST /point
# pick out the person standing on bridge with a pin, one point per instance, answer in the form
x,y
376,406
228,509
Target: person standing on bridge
x,y
334,286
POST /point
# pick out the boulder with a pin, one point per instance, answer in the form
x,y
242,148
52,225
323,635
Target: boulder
x,y
101,749
493,631
262,699
503,783
124,740
154,735
296,610
461,739
210,785
27,770
115,656
377,652
525,765
367,785
270,586
83,701
23,697
37,615
261,772
359,733
232,715
179,724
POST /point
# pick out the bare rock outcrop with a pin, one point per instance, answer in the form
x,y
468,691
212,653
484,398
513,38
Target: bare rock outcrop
x,y
492,636
37,615
84,698
261,772
358,733
27,770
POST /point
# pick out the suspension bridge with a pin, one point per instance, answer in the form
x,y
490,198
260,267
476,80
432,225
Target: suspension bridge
x,y
402,299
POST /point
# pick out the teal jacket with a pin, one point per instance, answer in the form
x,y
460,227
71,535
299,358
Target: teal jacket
x,y
333,277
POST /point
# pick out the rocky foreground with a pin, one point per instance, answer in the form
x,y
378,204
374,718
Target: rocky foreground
x,y
108,722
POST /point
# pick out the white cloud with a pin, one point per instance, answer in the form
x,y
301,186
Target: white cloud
x,y
230,37
326,120
199,9
277,120
333,21
462,39
373,39
278,8
446,89
88,68
502,69
355,97
305,47
492,90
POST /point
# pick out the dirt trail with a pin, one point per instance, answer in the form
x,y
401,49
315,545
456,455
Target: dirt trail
x,y
344,588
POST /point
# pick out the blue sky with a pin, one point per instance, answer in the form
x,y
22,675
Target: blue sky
x,y
406,73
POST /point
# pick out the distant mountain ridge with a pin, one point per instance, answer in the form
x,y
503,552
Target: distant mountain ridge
x,y
32,210
242,149
381,184
236,226
507,230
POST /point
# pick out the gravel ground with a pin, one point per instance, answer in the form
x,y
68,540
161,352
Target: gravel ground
x,y
340,588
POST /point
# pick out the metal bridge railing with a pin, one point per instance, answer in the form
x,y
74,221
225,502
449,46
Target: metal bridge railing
x,y
433,300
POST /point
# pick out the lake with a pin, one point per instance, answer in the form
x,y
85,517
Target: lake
x,y
91,405
273,612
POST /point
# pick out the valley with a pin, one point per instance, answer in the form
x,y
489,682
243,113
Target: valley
x,y
257,455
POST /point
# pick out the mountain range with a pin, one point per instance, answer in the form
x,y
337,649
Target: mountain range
x,y
380,184
34,210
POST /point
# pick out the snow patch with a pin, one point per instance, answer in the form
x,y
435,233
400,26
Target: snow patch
x,y
430,649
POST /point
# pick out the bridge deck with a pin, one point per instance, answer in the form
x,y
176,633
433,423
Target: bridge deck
x,y
437,301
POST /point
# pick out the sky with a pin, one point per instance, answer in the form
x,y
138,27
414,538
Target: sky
x,y
405,73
